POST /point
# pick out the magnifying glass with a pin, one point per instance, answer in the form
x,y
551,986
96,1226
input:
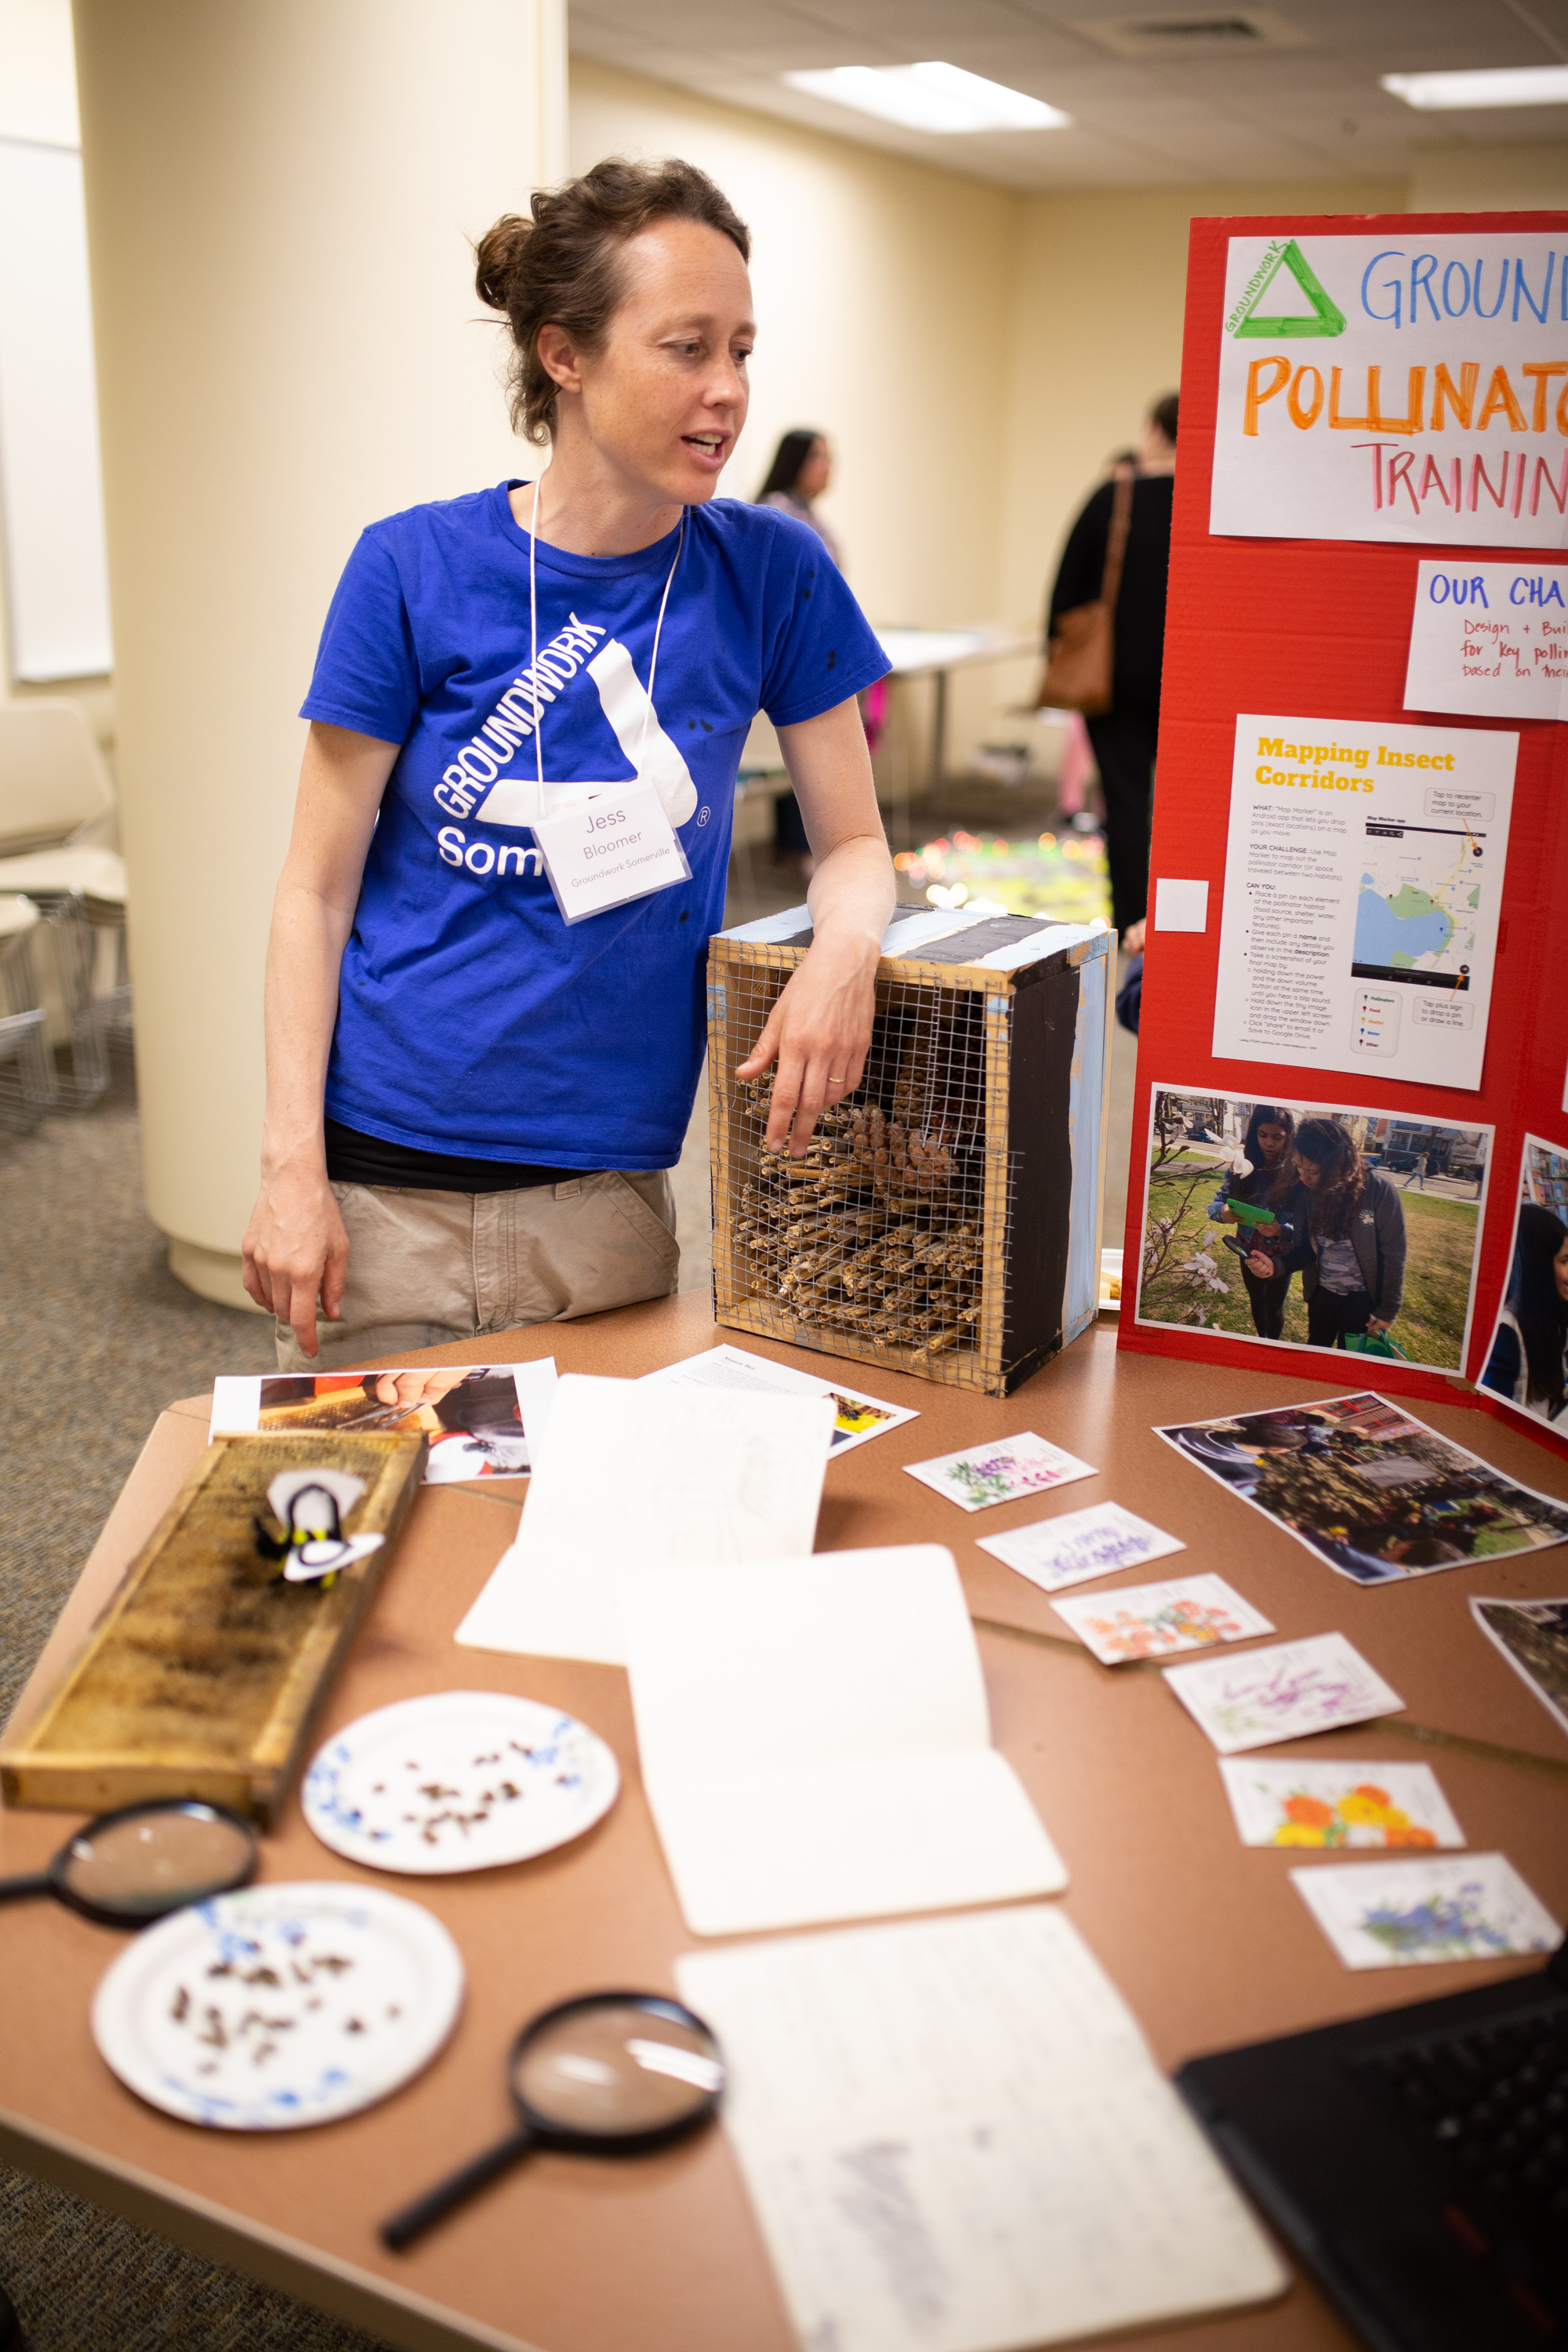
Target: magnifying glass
x,y
612,2073
132,1865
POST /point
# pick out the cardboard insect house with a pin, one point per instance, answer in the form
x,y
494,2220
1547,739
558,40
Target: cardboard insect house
x,y
946,1220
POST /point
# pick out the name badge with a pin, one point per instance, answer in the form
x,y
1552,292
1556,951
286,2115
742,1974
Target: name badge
x,y
617,847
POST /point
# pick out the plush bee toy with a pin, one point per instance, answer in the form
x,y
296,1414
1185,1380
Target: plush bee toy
x,y
308,1506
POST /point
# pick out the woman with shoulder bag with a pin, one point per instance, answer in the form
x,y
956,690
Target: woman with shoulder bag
x,y
1105,644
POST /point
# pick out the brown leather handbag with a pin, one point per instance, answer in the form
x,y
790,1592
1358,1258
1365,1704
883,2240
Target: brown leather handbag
x,y
1081,656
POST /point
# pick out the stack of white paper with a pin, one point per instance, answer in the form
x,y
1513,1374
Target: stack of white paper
x,y
816,1744
634,1475
956,2140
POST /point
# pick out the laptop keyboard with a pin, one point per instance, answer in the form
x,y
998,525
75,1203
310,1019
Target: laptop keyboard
x,y
1495,2100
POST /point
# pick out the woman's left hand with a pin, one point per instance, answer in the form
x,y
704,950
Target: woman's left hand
x,y
818,1031
1375,1323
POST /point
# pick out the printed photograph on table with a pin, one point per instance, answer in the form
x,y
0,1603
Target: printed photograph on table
x,y
481,1419
1151,1620
1389,1914
1285,1692
1079,1545
859,1417
1533,1637
1337,1807
1526,1361
979,1476
1311,1226
1370,1489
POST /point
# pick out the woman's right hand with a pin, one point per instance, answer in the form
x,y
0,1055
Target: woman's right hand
x,y
296,1250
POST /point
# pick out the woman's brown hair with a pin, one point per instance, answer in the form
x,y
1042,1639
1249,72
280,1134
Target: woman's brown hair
x,y
560,264
1341,1180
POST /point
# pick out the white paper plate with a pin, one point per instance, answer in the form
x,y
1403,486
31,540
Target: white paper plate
x,y
280,2006
458,1781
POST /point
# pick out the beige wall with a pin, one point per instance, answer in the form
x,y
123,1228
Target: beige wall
x,y
1095,334
1520,175
279,203
863,263
976,354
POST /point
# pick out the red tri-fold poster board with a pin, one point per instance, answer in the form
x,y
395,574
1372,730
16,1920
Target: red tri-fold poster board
x,y
1401,381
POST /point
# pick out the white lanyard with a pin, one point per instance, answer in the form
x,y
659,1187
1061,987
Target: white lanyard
x,y
618,844
533,637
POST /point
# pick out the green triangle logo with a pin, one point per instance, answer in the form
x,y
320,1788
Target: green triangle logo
x,y
1326,317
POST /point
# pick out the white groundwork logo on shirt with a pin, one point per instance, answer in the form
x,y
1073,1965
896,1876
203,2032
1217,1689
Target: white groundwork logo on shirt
x,y
516,800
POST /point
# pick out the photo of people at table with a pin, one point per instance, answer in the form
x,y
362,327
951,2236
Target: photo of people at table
x,y
1372,1491
1308,1224
1530,1339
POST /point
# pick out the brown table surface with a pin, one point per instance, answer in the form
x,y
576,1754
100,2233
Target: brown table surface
x,y
1207,1938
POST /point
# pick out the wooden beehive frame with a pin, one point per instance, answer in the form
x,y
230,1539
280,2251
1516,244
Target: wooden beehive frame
x,y
757,972
203,1675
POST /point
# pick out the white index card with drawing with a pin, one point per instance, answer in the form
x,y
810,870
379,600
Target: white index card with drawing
x,y
955,2139
636,1475
815,1743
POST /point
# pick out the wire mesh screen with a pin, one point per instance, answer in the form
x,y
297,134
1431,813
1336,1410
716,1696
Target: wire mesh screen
x,y
889,1239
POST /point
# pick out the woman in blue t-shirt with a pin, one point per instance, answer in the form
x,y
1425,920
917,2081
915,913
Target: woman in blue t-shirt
x,y
471,1101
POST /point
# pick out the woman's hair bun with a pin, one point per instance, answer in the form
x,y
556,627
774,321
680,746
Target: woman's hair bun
x,y
497,255
559,264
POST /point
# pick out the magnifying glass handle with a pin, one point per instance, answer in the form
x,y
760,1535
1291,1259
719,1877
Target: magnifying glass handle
x,y
415,2219
17,1890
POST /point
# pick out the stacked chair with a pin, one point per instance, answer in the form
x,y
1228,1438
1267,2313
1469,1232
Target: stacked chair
x,y
63,973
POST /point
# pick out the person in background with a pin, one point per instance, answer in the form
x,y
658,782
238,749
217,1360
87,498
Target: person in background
x,y
801,471
1352,1270
1527,1355
1268,1139
1124,735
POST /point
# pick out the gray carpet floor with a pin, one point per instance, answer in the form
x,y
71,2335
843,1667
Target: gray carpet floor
x,y
98,1335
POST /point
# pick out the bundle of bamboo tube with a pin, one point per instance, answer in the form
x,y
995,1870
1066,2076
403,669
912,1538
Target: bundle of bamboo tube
x,y
867,1233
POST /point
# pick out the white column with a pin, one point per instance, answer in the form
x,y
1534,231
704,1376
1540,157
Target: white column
x,y
280,198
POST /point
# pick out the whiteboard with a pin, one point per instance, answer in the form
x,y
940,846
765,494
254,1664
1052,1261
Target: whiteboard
x,y
51,483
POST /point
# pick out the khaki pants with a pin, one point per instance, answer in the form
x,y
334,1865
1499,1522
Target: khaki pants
x,y
428,1267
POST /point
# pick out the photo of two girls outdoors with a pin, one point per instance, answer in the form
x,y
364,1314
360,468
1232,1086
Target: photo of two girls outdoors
x,y
1313,1226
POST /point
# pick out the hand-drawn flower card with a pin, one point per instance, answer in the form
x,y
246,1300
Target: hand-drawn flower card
x,y
1079,1545
1369,1488
1533,1637
1386,1915
979,1476
1285,1692
1338,1807
1149,1620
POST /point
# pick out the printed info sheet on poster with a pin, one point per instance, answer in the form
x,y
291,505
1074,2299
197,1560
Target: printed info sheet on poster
x,y
1405,386
1362,876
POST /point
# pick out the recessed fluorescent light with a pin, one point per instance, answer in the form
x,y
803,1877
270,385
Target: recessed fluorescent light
x,y
931,97
1507,86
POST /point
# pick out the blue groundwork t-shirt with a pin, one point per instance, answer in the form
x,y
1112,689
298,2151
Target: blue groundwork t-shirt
x,y
472,1018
